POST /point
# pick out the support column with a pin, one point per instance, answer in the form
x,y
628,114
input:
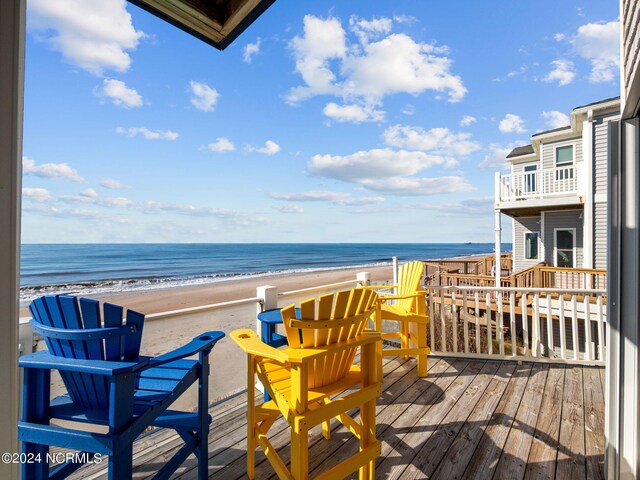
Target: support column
x,y
498,246
585,183
12,38
622,397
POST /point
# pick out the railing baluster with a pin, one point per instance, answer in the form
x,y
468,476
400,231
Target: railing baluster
x,y
443,324
466,321
525,322
600,328
488,321
587,328
535,326
574,327
500,331
477,308
432,328
563,333
512,317
550,339
454,320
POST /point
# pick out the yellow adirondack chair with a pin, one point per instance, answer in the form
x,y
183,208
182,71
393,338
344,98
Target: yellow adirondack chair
x,y
302,378
410,310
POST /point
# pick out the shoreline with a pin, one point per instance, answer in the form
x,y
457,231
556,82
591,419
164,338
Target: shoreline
x,y
155,300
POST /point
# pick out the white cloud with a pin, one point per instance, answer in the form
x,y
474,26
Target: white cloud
x,y
563,73
54,171
270,148
408,186
250,50
409,110
221,145
556,119
365,30
441,141
203,97
496,156
599,43
337,198
366,70
372,164
388,171
89,193
120,94
148,134
95,36
471,207
353,113
288,208
467,120
511,124
111,184
37,194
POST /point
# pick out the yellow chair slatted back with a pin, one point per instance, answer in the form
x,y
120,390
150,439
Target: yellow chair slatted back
x,y
409,278
329,321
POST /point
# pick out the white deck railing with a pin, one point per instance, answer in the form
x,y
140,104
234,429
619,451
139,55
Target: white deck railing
x,y
537,184
544,325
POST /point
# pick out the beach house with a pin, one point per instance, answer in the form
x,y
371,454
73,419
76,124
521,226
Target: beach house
x,y
556,192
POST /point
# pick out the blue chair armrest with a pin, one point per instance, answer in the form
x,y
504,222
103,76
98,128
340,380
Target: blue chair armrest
x,y
203,342
45,361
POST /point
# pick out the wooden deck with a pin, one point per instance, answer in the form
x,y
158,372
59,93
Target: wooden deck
x,y
468,419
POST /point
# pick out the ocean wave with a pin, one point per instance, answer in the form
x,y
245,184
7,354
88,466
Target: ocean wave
x,y
89,288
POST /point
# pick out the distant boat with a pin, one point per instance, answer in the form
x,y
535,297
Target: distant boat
x,y
468,243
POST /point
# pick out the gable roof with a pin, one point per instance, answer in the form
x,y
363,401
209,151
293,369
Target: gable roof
x,y
552,131
520,151
216,22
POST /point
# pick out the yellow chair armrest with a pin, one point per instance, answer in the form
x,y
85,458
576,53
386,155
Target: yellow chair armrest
x,y
384,298
303,355
249,341
378,287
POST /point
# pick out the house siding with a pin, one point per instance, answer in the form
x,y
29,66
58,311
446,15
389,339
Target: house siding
x,y
562,219
525,224
548,157
519,167
600,235
630,43
600,168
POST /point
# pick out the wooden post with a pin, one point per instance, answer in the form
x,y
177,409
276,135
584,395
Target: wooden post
x,y
363,279
12,40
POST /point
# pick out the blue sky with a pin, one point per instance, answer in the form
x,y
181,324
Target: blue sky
x,y
325,121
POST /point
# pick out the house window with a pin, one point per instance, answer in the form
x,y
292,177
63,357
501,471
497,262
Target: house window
x,y
530,178
564,156
531,240
565,251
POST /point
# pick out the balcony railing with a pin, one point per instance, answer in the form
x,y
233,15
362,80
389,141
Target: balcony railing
x,y
537,184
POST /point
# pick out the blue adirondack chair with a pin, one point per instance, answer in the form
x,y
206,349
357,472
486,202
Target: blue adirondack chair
x,y
108,384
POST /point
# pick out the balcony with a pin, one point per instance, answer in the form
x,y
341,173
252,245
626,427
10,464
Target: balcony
x,y
540,188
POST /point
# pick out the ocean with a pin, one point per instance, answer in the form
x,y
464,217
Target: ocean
x,y
89,269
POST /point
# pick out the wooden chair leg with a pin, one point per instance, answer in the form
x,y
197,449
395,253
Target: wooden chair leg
x,y
36,391
121,464
404,339
422,343
203,407
299,451
251,419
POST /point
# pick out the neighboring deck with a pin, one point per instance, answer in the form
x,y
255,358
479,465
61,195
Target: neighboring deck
x,y
468,419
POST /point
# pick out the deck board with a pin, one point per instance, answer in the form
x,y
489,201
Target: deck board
x,y
467,419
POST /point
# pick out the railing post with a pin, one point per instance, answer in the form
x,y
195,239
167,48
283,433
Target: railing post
x,y
363,279
395,273
268,295
25,338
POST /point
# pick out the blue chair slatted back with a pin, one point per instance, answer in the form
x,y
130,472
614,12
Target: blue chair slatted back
x,y
104,340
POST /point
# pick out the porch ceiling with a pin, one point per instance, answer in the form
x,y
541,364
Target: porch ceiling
x,y
216,22
535,210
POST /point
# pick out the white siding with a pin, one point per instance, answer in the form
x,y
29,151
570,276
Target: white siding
x,y
631,41
548,155
562,219
600,235
519,167
524,224
600,180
